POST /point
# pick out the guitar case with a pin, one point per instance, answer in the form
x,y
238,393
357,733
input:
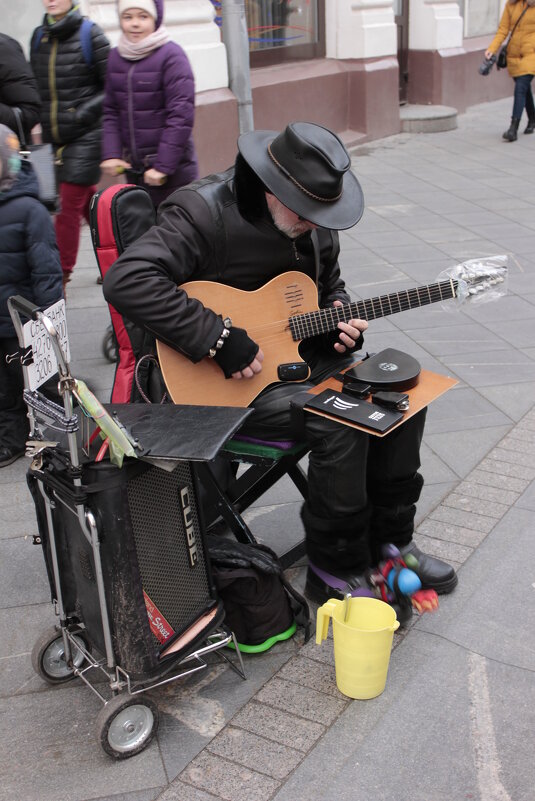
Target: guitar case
x,y
118,216
388,370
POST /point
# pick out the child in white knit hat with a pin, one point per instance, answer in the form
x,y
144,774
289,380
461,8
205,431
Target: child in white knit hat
x,y
149,104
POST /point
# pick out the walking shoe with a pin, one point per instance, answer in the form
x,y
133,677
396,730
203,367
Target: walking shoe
x,y
510,135
433,573
10,455
321,585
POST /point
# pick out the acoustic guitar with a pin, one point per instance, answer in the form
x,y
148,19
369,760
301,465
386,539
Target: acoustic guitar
x,y
278,316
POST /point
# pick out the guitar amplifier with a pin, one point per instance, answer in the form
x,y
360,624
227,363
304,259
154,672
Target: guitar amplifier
x,y
155,567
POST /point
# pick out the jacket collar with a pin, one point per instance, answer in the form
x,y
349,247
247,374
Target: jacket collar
x,y
64,27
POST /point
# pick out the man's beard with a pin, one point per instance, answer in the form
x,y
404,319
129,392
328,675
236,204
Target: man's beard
x,y
280,219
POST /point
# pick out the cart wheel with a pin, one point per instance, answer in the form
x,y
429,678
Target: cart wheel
x,y
109,345
126,725
48,656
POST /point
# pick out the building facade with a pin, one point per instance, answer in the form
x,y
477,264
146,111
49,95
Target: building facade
x,y
346,64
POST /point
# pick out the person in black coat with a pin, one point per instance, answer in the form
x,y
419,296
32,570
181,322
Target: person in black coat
x,y
279,209
29,266
68,57
18,88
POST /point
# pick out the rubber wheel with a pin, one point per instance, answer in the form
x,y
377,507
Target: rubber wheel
x,y
48,656
109,346
126,725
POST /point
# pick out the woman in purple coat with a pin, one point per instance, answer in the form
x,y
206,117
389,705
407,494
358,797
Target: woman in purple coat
x,y
149,104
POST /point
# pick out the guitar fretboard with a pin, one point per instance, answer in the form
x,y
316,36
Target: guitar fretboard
x,y
322,321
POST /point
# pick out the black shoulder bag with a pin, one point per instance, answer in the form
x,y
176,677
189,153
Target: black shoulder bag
x,y
501,62
42,159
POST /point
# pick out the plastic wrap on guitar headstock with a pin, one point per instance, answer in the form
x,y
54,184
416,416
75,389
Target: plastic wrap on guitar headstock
x,y
478,280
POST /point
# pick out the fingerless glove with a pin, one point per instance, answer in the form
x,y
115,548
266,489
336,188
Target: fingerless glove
x,y
238,351
334,336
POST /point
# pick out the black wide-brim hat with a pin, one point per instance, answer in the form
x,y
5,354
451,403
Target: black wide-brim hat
x,y
308,169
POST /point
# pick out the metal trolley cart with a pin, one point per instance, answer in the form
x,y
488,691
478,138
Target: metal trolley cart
x,y
123,543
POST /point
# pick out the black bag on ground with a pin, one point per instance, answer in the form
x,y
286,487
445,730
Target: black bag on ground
x,y
259,602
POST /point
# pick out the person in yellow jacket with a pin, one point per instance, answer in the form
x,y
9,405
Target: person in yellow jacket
x,y
520,59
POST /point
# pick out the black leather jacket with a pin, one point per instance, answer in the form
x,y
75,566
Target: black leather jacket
x,y
186,245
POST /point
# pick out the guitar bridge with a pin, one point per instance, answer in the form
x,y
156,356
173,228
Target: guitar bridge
x,y
293,371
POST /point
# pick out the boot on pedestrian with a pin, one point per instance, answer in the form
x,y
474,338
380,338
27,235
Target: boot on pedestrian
x,y
511,134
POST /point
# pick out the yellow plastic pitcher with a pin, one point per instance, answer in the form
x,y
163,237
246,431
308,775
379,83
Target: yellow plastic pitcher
x,y
363,629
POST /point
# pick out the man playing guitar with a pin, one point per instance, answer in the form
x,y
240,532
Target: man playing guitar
x,y
278,210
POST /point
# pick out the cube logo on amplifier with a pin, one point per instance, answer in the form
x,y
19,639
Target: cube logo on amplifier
x,y
187,516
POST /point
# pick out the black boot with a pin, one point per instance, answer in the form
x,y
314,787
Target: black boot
x,y
511,134
433,573
530,127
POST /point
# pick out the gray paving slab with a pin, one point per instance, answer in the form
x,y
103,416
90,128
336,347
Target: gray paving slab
x,y
480,369
276,525
180,791
19,629
432,494
463,408
514,399
196,710
435,469
279,726
459,338
476,443
22,573
52,754
143,795
527,499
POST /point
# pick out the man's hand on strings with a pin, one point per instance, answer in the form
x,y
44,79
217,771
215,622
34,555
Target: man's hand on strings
x,y
349,332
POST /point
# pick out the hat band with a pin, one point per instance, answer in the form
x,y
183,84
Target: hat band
x,y
300,186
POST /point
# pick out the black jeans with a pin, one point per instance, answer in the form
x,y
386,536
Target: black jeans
x,y
362,488
523,97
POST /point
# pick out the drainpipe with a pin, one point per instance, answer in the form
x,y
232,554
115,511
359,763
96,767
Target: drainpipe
x,y
236,40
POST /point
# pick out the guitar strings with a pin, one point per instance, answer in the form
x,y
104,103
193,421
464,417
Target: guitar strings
x,y
317,322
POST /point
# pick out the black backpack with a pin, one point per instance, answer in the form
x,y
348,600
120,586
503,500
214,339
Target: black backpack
x,y
261,606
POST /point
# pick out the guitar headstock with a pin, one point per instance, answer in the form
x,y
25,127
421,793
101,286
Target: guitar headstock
x,y
479,280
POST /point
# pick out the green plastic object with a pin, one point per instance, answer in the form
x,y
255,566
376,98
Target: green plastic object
x,y
265,451
267,644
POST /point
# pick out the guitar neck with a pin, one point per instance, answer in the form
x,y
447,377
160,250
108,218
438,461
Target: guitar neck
x,y
322,321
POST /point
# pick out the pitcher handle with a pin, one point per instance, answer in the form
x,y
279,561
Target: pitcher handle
x,y
322,619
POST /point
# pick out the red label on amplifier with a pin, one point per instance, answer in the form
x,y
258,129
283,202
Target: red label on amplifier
x,y
159,626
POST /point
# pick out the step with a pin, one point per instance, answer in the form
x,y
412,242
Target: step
x,y
427,119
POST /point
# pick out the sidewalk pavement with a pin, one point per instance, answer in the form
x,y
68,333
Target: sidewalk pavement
x,y
456,719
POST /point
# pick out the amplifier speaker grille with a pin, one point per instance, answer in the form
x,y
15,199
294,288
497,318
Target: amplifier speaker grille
x,y
168,540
